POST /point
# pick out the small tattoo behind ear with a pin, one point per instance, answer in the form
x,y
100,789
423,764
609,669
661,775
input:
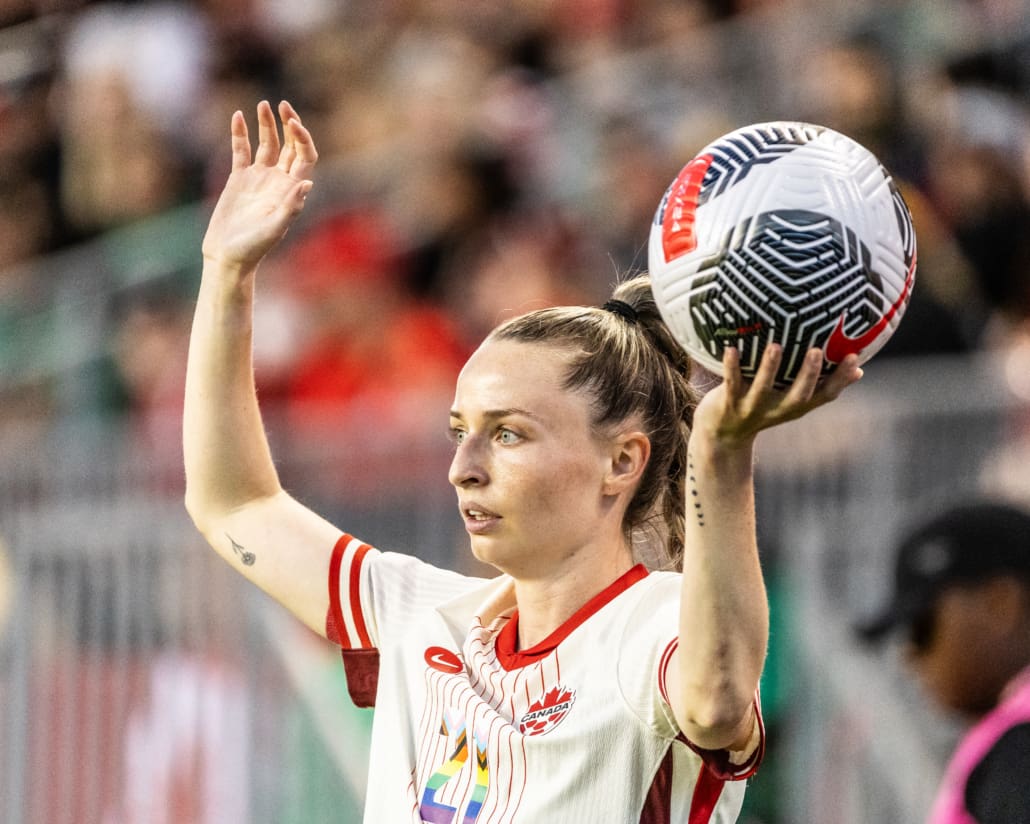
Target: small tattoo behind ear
x,y
248,558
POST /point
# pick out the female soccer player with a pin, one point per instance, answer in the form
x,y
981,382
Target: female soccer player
x,y
577,685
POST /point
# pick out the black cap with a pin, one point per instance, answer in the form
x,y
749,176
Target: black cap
x,y
964,544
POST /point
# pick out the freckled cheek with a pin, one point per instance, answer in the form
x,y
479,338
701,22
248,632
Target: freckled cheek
x,y
532,493
561,494
549,489
526,494
546,500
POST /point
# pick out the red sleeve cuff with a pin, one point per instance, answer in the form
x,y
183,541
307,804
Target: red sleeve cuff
x,y
718,761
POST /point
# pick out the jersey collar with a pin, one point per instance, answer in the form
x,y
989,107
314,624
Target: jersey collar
x,y
511,658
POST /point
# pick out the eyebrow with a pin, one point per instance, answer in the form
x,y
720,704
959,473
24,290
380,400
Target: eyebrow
x,y
494,414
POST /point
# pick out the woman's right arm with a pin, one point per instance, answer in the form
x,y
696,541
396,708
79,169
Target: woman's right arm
x,y
233,492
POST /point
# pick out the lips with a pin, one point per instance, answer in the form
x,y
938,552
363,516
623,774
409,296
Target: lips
x,y
477,518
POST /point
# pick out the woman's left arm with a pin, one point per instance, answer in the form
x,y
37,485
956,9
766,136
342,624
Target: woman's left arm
x,y
724,614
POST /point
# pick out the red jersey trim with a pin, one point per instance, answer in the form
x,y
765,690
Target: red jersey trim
x,y
506,646
657,807
706,795
717,761
663,668
335,628
361,667
355,596
336,625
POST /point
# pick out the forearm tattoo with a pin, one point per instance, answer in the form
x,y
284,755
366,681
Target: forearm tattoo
x,y
694,497
248,558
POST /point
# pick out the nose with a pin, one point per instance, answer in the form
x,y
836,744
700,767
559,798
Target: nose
x,y
468,466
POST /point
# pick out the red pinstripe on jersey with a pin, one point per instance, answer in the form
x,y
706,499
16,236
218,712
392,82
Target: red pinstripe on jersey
x,y
503,688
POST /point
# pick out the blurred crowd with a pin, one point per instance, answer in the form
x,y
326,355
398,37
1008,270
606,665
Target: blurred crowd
x,y
480,159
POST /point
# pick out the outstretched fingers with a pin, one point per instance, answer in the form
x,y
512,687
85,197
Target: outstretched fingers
x,y
304,146
289,150
240,141
811,389
739,409
295,155
299,155
268,136
266,190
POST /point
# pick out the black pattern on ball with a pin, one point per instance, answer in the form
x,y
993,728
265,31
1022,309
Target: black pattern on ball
x,y
737,155
791,271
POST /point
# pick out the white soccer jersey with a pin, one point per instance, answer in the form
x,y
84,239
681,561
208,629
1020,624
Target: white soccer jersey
x,y
575,729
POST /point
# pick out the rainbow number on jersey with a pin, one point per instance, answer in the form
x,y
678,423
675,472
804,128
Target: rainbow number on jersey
x,y
434,812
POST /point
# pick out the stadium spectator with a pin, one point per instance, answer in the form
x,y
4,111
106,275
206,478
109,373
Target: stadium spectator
x,y
962,597
524,262
141,378
367,350
130,77
25,225
30,150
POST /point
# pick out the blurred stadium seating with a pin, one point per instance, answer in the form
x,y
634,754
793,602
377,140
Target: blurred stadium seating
x,y
140,681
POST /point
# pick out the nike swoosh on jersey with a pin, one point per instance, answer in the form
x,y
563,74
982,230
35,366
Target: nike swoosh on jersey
x,y
443,660
839,345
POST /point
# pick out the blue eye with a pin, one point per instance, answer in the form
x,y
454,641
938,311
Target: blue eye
x,y
507,437
456,435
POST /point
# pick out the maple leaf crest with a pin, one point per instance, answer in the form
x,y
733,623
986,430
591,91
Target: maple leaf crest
x,y
545,714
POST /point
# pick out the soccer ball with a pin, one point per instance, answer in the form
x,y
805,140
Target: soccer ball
x,y
782,232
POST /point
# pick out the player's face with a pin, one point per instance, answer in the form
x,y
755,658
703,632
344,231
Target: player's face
x,y
527,466
952,654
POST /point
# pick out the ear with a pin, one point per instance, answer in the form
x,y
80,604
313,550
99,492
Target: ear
x,y
629,454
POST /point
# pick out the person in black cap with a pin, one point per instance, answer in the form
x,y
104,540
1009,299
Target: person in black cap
x,y
962,593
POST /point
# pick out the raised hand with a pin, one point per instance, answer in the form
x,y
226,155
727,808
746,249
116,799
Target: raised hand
x,y
264,193
735,411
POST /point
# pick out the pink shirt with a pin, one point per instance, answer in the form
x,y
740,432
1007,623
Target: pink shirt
x,y
1014,708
